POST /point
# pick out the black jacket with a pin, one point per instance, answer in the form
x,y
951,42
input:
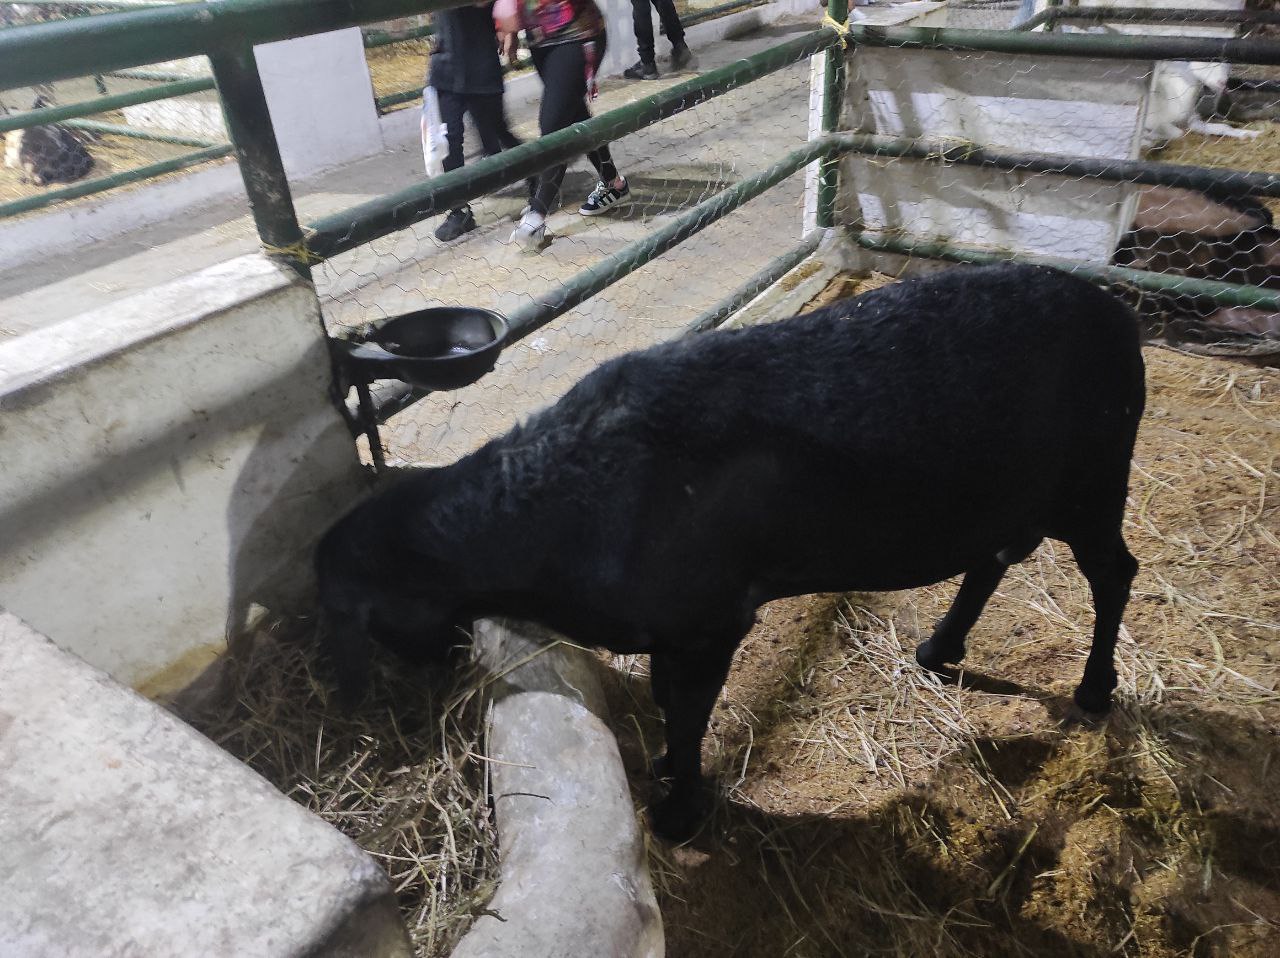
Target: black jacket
x,y
464,51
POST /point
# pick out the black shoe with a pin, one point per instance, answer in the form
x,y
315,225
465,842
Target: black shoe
x,y
455,224
604,197
641,71
681,56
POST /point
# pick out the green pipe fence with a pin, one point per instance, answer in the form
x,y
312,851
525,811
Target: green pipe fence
x,y
59,50
832,101
1114,46
1216,182
381,38
360,224
154,76
1148,15
116,101
249,122
111,181
1209,290
137,133
532,316
756,285
714,13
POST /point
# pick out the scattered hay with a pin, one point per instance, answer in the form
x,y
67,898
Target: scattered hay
x,y
401,776
867,808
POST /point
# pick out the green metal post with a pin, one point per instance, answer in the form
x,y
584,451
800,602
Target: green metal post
x,y
244,104
832,101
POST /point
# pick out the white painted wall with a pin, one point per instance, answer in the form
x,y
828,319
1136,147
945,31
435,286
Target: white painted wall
x,y
1034,104
165,462
321,99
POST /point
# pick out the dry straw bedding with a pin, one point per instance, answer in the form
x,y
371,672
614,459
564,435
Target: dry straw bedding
x,y
870,809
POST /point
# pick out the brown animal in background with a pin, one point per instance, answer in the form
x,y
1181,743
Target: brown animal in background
x,y
1189,233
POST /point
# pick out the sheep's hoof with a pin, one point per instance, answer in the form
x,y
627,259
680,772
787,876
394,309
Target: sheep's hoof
x,y
661,765
929,655
679,816
1093,699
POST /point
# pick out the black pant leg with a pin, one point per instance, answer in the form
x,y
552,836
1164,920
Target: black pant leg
x,y
642,23
670,21
564,102
452,107
490,116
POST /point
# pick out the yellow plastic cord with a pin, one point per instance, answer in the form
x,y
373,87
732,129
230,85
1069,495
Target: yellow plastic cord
x,y
294,252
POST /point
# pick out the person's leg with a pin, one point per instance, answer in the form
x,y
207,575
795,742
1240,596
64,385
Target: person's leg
x,y
642,23
672,27
490,115
452,108
564,102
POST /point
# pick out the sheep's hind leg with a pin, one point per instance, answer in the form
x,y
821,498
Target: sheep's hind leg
x,y
946,645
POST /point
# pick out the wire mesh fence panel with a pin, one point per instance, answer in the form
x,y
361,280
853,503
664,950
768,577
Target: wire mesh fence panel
x,y
86,135
1068,158
670,167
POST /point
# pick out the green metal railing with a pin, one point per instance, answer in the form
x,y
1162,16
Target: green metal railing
x,y
227,30
1052,16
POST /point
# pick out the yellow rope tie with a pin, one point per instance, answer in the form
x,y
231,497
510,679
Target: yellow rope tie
x,y
294,252
841,28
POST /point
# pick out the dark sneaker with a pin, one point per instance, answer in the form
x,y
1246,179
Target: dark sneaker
x,y
641,71
605,197
455,224
681,56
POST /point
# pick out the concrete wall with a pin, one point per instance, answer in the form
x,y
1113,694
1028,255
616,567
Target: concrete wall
x,y
166,464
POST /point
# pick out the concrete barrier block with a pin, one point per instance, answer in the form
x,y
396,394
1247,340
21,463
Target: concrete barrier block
x,y
125,832
166,465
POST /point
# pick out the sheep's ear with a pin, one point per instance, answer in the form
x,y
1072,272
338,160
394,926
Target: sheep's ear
x,y
344,640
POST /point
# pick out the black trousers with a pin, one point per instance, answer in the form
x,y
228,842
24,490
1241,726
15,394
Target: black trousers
x,y
642,22
490,117
563,69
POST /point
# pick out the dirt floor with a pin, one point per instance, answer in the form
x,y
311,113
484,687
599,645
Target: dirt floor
x,y
869,809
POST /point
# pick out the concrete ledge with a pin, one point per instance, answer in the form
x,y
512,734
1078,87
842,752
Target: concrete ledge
x,y
574,881
166,464
127,833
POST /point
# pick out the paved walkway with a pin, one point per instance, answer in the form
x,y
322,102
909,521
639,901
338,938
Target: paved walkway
x,y
672,166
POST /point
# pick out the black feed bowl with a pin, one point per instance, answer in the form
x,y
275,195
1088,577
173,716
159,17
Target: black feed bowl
x,y
445,347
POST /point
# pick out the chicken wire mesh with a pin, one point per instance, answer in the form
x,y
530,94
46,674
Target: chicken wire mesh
x,y
670,167
967,111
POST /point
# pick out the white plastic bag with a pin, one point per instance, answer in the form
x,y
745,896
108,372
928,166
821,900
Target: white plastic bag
x,y
435,142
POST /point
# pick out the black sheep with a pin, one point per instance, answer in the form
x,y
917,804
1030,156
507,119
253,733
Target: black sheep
x,y
934,427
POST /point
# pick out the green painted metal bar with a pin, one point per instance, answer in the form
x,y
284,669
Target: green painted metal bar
x,y
832,102
137,133
582,286
59,50
249,123
154,76
116,101
1216,182
716,12
1044,17
532,316
1172,15
381,38
111,181
395,99
342,231
1099,45
756,285
1223,294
